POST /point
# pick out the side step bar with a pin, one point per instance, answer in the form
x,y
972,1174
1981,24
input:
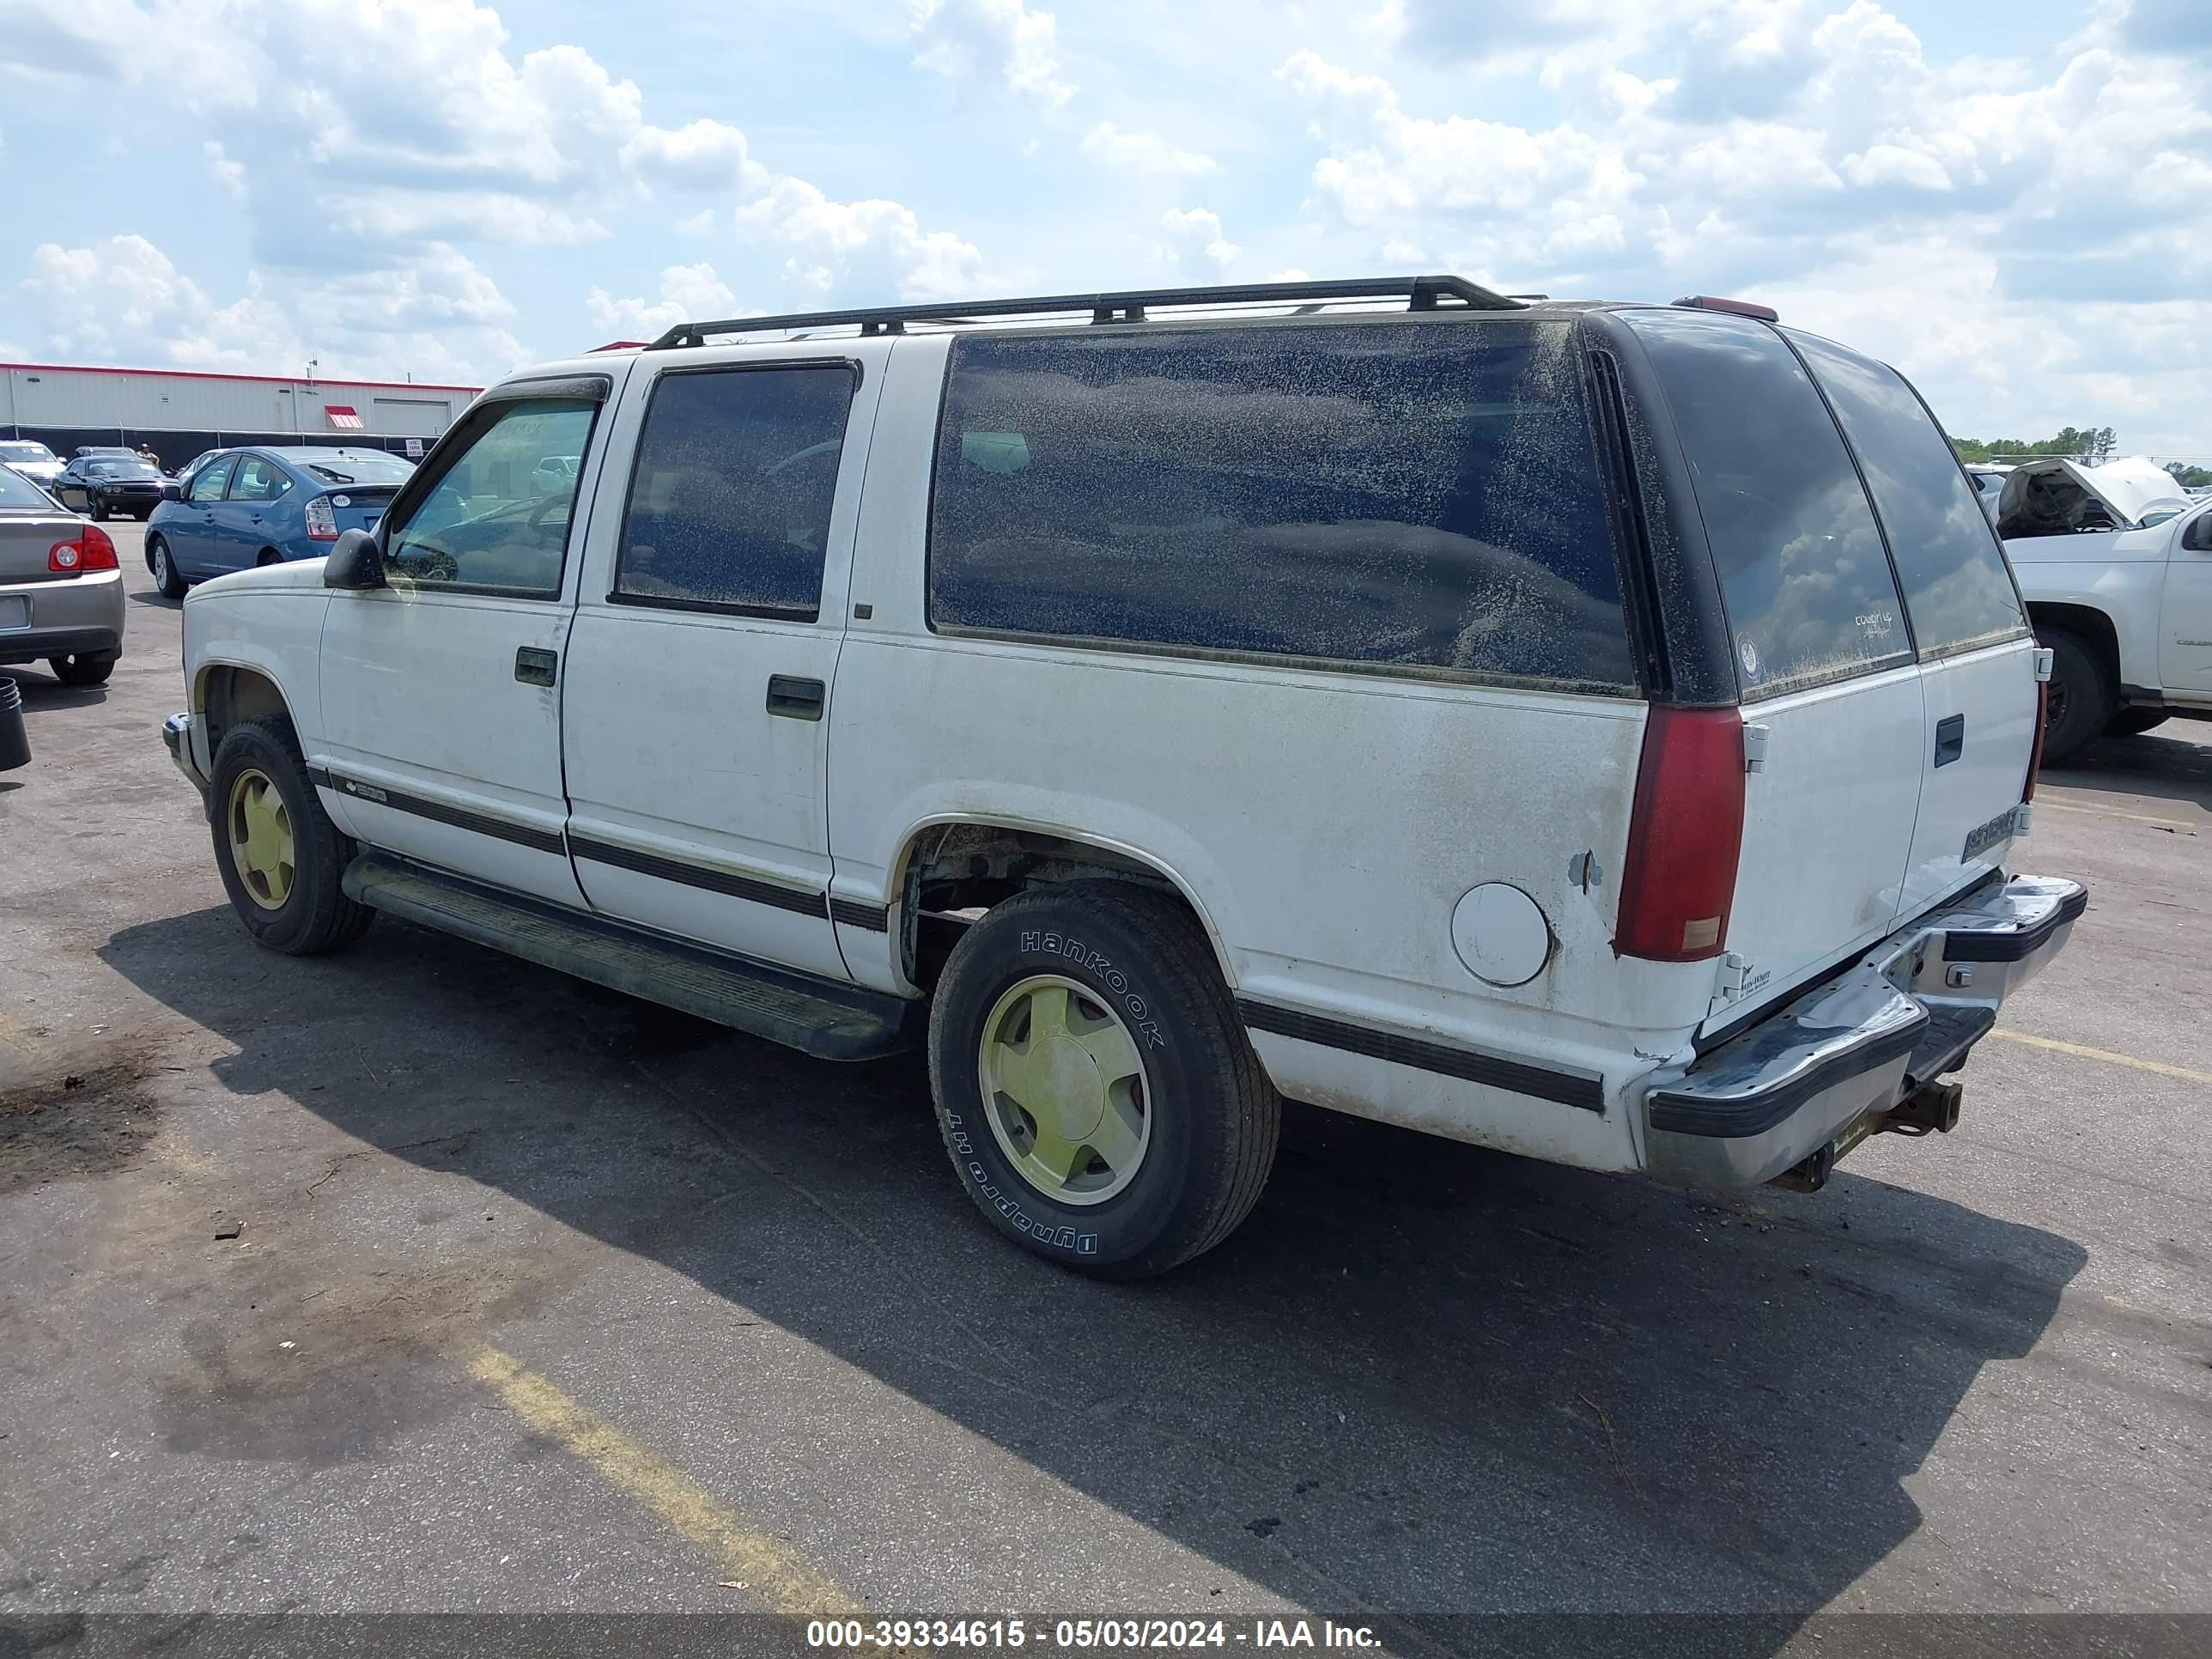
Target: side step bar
x,y
817,1017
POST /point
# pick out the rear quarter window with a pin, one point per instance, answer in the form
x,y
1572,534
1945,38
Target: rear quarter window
x,y
1956,589
1423,497
1804,578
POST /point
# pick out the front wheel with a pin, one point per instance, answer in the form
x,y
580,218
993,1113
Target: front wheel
x,y
2079,701
282,860
1094,1085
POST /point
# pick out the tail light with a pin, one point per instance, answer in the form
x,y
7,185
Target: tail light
x,y
91,550
1685,832
322,521
2035,752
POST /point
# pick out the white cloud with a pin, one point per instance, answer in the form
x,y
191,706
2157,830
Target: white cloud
x,y
230,176
1195,231
1143,152
123,300
688,293
876,246
962,38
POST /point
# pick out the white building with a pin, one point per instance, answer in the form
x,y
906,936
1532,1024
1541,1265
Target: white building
x,y
188,411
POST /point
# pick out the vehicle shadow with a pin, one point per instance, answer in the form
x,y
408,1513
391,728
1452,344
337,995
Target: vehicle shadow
x,y
43,691
2172,761
1422,1377
152,597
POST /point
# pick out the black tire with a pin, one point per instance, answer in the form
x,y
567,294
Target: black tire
x,y
315,915
96,509
2080,698
2134,722
163,564
1213,1116
83,668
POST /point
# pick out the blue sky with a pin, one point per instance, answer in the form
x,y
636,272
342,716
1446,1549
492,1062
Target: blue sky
x,y
2013,206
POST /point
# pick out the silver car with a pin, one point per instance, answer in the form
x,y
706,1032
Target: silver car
x,y
61,590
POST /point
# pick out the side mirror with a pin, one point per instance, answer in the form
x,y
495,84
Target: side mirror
x,y
355,563
171,493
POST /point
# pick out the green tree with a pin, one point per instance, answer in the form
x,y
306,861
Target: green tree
x,y
2090,445
2190,477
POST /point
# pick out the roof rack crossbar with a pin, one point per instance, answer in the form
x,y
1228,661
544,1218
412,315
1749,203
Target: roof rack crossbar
x,y
1420,294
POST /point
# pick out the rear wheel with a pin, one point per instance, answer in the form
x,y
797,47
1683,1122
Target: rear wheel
x,y
83,668
2079,704
1094,1084
165,578
282,860
2134,722
269,556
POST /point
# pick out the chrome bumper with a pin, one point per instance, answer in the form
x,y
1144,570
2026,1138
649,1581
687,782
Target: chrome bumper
x,y
1821,1070
177,734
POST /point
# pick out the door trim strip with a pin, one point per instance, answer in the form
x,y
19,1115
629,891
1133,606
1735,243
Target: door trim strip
x,y
461,817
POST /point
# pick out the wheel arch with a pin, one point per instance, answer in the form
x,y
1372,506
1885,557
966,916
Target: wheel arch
x,y
986,858
2092,627
226,693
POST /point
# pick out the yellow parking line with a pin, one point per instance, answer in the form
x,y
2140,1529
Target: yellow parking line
x,y
2183,825
766,1568
2081,1052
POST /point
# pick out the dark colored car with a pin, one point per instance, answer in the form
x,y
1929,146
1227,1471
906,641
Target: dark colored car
x,y
242,507
98,485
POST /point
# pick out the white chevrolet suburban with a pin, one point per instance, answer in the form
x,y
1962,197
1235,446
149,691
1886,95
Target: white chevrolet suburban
x,y
1593,732
2118,585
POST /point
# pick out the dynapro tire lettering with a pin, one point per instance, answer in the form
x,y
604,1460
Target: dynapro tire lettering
x,y
1044,1232
1074,950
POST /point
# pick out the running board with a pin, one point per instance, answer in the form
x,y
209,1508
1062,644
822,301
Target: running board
x,y
816,1016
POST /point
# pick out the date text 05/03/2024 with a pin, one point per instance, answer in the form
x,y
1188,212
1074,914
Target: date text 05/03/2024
x,y
1085,1633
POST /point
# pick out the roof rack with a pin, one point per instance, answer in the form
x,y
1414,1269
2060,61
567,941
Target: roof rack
x,y
1420,294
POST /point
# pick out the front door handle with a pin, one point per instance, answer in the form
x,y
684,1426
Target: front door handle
x,y
793,698
1950,739
534,666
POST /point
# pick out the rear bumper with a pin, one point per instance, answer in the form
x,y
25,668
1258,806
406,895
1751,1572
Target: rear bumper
x,y
77,615
1823,1070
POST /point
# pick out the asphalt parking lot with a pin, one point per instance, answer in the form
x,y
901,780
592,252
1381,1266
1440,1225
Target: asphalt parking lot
x,y
542,1298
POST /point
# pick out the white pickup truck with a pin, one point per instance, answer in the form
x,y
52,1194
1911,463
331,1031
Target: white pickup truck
x,y
2126,612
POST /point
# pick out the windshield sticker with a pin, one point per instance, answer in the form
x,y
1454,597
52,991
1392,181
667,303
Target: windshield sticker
x,y
1748,654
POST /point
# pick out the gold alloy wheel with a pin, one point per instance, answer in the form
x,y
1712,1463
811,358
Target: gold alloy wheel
x,y
1065,1090
261,848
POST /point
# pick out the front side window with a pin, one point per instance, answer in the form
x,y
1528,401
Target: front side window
x,y
1956,585
1804,578
259,480
1418,496
736,472
483,525
209,481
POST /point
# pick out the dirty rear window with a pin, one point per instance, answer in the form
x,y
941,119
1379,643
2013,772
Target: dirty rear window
x,y
1956,585
1386,493
1803,576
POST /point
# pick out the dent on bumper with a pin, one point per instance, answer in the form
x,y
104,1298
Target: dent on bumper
x,y
1909,1011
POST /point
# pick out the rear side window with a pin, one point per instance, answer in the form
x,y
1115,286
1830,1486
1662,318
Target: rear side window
x,y
1803,575
259,480
1423,496
16,490
1956,585
736,472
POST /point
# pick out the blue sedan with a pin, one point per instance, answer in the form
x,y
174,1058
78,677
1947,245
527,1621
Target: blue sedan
x,y
242,507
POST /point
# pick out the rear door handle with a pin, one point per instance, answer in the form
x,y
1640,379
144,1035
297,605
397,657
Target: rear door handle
x,y
1950,739
793,698
534,666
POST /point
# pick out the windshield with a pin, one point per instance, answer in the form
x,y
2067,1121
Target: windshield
x,y
367,468
121,469
14,451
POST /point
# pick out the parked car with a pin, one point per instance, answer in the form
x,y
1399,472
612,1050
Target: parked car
x,y
33,460
61,592
250,507
1500,719
2128,616
100,485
